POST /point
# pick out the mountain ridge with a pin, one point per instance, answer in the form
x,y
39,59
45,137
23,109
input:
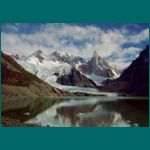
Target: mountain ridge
x,y
99,66
60,64
135,79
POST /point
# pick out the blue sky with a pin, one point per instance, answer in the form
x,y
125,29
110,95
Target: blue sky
x,y
117,42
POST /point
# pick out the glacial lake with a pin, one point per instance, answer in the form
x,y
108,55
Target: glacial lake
x,y
100,111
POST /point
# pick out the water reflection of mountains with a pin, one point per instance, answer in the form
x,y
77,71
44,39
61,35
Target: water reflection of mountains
x,y
108,113
124,112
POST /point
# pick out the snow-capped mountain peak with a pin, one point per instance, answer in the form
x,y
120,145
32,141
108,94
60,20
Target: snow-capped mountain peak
x,y
66,58
98,60
36,57
36,53
99,66
61,54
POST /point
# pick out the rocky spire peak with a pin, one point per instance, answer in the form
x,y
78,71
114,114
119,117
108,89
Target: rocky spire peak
x,y
95,53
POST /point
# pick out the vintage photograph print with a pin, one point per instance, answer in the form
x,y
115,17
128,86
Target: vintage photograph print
x,y
75,74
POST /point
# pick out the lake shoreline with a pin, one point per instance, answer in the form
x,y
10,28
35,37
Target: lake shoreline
x,y
8,122
68,97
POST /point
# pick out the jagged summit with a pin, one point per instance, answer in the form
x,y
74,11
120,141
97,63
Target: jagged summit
x,y
95,54
98,60
66,58
99,66
38,52
38,55
60,56
95,58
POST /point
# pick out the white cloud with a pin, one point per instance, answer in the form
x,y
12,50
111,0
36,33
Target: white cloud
x,y
50,37
124,51
142,36
120,64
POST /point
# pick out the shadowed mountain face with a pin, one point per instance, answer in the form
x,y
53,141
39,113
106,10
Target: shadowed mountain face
x,y
135,79
75,78
17,82
14,74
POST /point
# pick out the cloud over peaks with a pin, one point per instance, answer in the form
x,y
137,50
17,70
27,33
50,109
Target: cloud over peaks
x,y
80,40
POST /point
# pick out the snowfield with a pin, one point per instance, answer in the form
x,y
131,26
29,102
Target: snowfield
x,y
46,70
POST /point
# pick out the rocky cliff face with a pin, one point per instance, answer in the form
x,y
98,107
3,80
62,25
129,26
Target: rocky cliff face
x,y
66,58
75,78
99,67
135,79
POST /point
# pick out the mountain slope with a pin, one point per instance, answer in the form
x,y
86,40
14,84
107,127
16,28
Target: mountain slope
x,y
19,83
47,70
135,79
